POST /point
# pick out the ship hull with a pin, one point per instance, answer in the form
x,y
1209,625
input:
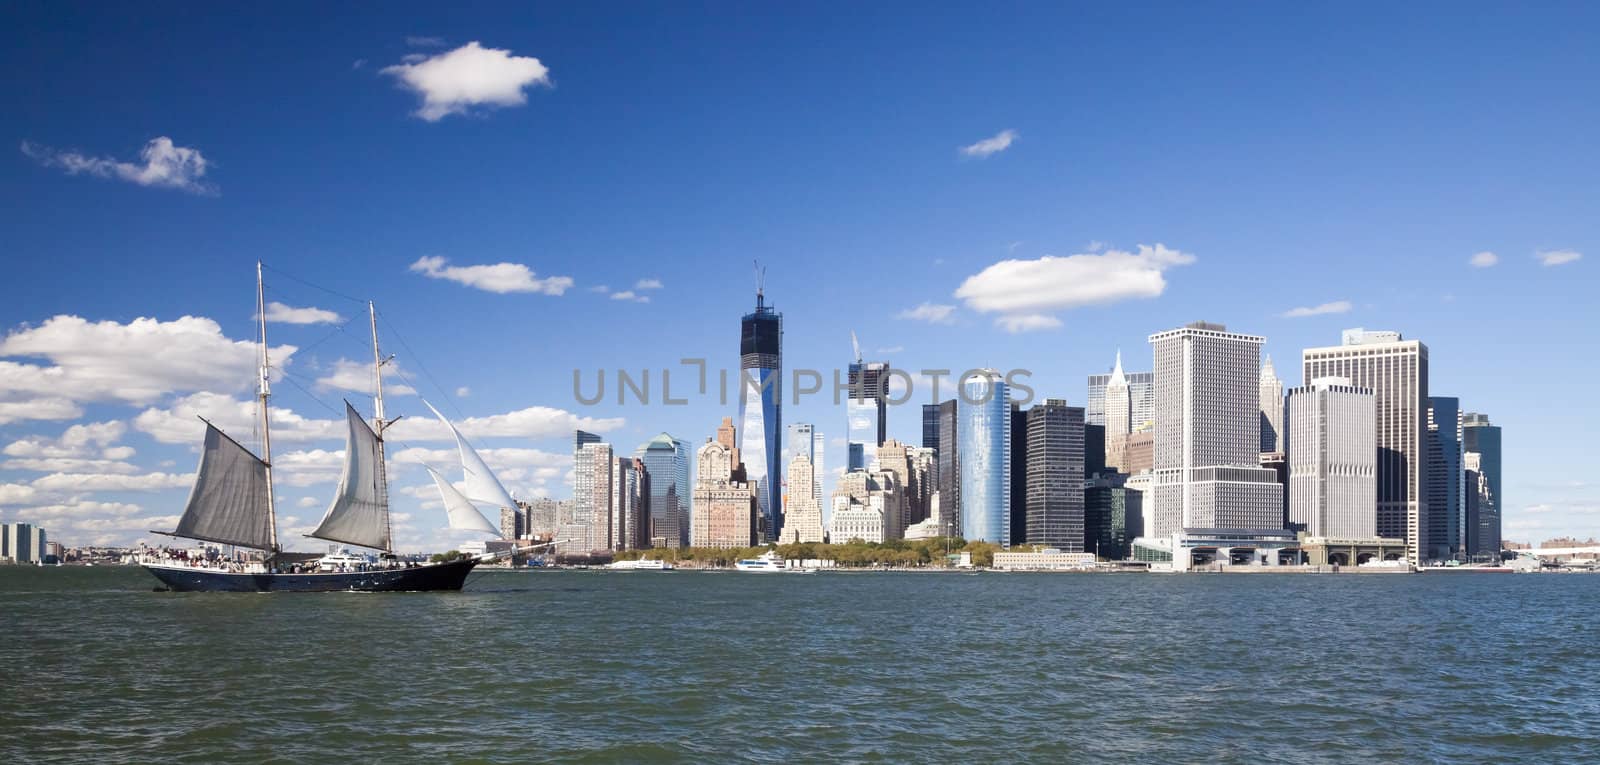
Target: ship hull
x,y
433,577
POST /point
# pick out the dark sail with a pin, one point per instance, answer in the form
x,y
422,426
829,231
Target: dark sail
x,y
229,503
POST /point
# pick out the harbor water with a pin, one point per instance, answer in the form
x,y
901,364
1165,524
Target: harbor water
x,y
575,666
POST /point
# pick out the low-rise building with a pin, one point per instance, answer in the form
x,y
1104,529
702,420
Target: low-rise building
x,y
1049,559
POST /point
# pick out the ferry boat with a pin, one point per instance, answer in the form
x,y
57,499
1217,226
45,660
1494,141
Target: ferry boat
x,y
768,562
643,564
232,503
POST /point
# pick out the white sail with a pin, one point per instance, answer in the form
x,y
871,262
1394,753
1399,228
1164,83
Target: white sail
x,y
463,516
482,486
230,503
359,514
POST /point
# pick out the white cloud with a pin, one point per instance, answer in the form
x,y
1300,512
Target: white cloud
x,y
600,288
992,145
308,467
136,363
647,284
499,278
165,165
1483,260
356,376
1026,322
533,422
284,314
180,423
1337,306
630,295
455,81
80,440
46,408
933,313
68,465
891,349
1025,292
525,472
96,482
463,392
419,41
1558,257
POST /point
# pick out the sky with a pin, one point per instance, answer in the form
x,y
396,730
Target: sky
x,y
526,190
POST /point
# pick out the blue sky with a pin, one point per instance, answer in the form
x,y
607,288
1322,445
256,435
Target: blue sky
x,y
1354,157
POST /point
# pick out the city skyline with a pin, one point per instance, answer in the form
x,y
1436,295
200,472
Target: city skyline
x,y
506,247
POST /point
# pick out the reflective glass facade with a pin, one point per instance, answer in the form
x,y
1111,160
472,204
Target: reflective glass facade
x,y
985,463
666,460
761,408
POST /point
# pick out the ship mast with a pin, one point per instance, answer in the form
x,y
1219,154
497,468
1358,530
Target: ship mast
x,y
264,391
377,404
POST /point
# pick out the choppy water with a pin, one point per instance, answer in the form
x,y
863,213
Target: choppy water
x,y
702,667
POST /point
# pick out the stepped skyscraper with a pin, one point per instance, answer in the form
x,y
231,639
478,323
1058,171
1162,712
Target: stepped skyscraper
x,y
1208,433
761,408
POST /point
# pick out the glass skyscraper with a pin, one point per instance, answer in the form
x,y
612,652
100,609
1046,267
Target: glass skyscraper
x,y
1482,438
1447,502
761,408
666,460
867,412
985,464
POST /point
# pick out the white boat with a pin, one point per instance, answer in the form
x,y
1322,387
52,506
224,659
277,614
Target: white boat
x,y
641,565
770,562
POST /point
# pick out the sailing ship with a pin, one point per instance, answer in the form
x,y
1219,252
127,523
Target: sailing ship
x,y
232,503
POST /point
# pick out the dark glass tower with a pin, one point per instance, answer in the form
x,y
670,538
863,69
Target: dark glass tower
x,y
1482,437
761,408
867,412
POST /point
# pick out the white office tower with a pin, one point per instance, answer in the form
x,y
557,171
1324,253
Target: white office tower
x,y
1396,371
802,513
1118,417
1272,435
1333,460
1208,433
804,439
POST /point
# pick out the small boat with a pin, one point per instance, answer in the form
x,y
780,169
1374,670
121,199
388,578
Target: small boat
x,y
643,564
769,562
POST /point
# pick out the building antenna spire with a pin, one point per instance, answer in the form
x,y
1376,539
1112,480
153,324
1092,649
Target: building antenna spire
x,y
856,345
761,282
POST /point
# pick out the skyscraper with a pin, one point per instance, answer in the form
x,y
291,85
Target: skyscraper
x,y
1272,437
1396,370
984,409
1141,399
666,460
865,506
761,407
1208,433
1333,460
804,440
948,467
1483,517
802,520
593,468
901,460
1447,481
930,427
1018,515
1482,437
866,410
1118,417
725,505
1054,433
